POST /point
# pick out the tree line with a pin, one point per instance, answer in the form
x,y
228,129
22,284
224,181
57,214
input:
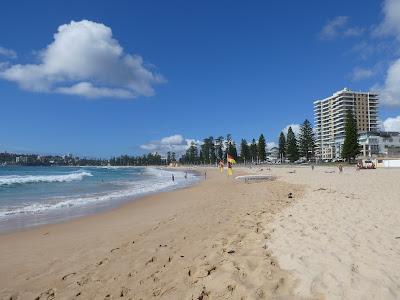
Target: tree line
x,y
213,150
292,148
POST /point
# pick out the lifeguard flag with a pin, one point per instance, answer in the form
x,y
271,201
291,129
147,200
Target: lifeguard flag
x,y
231,159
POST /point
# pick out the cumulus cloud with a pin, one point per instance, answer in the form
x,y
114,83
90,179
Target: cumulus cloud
x,y
390,26
360,73
391,124
338,27
85,60
295,128
174,143
9,53
390,90
176,139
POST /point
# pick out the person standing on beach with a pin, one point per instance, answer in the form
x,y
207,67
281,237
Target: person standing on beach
x,y
205,175
312,167
185,175
173,178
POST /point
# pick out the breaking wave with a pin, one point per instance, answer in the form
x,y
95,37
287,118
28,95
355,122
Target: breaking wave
x,y
24,179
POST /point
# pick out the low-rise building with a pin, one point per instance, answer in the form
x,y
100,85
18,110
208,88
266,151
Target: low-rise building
x,y
374,144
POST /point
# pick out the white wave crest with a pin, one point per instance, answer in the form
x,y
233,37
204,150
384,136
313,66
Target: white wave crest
x,y
23,179
161,180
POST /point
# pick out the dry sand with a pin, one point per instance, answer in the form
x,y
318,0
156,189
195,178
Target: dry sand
x,y
202,242
338,238
343,239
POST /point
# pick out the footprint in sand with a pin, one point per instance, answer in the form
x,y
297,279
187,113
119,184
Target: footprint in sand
x,y
50,294
204,294
68,275
102,262
151,260
124,292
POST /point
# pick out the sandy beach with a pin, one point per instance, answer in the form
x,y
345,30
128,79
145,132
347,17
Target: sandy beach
x,y
342,240
337,238
205,241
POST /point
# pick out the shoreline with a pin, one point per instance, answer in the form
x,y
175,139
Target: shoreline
x,y
176,244
336,238
18,223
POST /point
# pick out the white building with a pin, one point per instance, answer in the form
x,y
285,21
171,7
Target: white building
x,y
382,144
330,114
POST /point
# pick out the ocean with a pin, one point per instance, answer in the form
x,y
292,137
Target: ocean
x,y
32,196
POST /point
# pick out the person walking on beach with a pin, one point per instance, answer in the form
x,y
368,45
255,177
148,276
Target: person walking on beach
x,y
173,178
185,175
312,167
340,168
205,175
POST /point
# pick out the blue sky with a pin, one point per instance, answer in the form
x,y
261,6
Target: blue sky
x,y
140,76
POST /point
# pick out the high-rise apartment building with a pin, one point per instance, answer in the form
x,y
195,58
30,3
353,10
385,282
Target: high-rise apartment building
x,y
330,115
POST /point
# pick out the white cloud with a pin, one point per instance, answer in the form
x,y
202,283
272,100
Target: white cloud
x,y
9,53
392,124
85,60
360,73
271,145
390,26
390,90
353,31
338,27
391,21
332,27
86,89
174,143
173,139
295,128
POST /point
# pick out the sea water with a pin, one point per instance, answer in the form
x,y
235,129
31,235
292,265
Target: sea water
x,y
39,195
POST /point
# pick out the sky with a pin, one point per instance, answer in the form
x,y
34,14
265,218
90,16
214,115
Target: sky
x,y
104,78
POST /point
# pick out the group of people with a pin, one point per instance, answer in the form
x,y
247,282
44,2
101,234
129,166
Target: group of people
x,y
186,175
340,167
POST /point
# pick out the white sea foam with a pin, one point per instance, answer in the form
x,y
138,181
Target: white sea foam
x,y
159,180
22,179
